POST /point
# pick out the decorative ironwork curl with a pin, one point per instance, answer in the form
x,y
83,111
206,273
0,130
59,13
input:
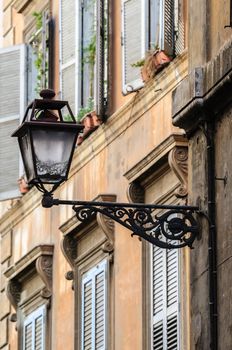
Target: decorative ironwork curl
x,y
174,229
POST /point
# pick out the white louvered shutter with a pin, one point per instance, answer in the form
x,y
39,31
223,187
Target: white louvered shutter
x,y
165,326
94,308
68,52
34,330
133,42
12,107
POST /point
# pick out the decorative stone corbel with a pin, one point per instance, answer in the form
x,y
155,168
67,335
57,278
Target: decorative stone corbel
x,y
107,226
44,270
135,193
178,162
13,292
69,248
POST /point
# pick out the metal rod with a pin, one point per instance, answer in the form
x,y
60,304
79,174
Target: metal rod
x,y
124,205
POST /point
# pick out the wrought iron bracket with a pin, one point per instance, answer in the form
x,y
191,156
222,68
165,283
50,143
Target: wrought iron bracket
x,y
174,226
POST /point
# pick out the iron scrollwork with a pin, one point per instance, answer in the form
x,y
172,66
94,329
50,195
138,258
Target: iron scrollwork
x,y
175,228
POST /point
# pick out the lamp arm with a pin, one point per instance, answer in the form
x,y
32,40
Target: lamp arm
x,y
174,228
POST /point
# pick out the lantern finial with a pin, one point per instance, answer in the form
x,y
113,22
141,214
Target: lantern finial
x,y
47,93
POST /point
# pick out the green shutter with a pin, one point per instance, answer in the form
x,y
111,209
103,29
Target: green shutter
x,y
12,106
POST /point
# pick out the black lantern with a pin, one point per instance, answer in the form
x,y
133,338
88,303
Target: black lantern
x,y
47,141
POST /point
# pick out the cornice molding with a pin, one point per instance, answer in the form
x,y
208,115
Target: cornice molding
x,y
205,91
158,155
21,209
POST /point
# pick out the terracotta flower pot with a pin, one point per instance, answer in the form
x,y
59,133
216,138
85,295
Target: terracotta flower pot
x,y
23,185
91,122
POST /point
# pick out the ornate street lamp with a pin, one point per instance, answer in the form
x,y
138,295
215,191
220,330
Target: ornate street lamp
x,y
47,141
47,144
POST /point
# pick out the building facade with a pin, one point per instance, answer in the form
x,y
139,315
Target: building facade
x,y
161,138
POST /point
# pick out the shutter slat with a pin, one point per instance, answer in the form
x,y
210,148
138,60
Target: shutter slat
x,y
68,28
179,27
93,308
168,26
133,45
165,298
34,330
100,310
100,67
158,336
10,83
12,105
157,280
172,277
39,333
68,52
87,314
172,333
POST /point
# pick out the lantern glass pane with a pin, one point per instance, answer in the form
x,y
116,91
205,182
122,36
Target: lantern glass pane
x,y
53,149
26,151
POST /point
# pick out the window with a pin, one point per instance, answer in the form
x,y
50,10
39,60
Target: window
x,y
34,330
39,46
147,24
88,247
94,308
165,299
29,291
83,37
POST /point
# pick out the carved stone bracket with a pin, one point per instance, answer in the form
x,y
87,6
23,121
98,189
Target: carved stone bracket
x,y
107,226
69,248
13,292
135,193
178,161
44,269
